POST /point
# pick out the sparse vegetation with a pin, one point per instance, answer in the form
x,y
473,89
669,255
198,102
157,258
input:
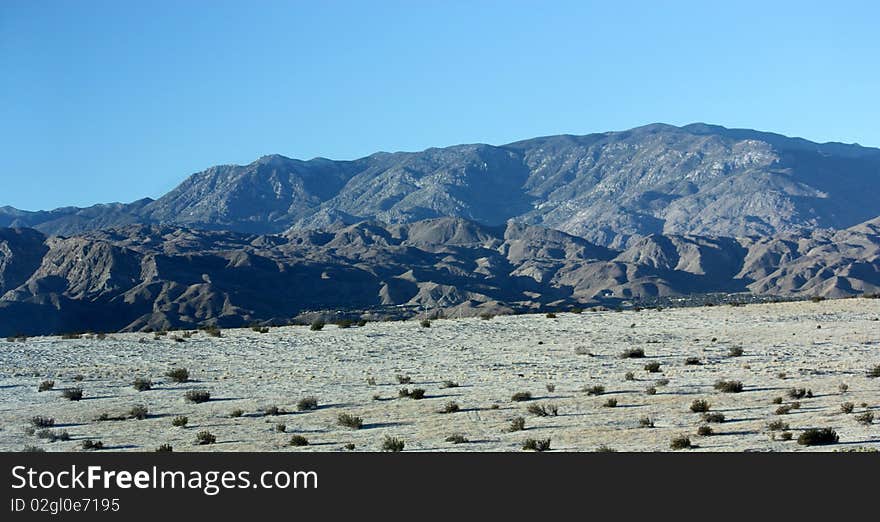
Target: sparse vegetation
x,y
700,406
350,421
680,442
73,394
205,437
271,410
138,411
713,417
736,351
874,372
729,386
457,438
652,367
843,387
646,422
403,379
317,325
705,430
415,393
46,386
651,390
783,410
692,361
299,440
778,425
197,396
178,374
39,421
450,407
517,424
633,353
847,407
866,418
551,315
536,444
594,390
90,444
543,410
486,316
449,384
818,437
236,413
551,388
521,397
629,376
307,403
142,384
610,403
797,393
393,444
164,448
180,421
52,435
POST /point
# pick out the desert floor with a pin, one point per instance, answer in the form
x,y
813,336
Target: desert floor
x,y
816,346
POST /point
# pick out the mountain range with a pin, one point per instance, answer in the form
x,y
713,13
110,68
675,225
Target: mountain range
x,y
549,222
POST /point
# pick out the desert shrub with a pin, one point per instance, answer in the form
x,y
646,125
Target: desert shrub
x,y
78,377
729,386
651,390
90,444
180,421
551,388
818,437
197,396
661,382
371,381
71,336
797,393
700,406
713,417
778,425
680,442
316,325
629,376
39,421
646,422
777,400
52,436
403,379
393,444
486,316
817,299
164,448
141,384
213,331
610,403
449,384
632,353
582,350
349,446
236,413
785,435
605,449
299,440
847,407
517,424
260,329
450,407
362,322
138,411
415,393
577,310
866,418
205,437
843,388
735,351
652,367
705,430
350,421
178,374
536,445
594,390
551,315
73,394
783,410
307,403
272,410
46,386
543,410
457,438
30,448
874,372
521,396
425,323
344,323
692,361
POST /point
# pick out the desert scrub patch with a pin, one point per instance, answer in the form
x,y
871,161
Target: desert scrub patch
x,y
450,407
705,430
700,406
783,410
307,403
46,386
652,367
197,396
543,410
551,388
714,417
610,403
205,437
536,444
449,384
521,396
424,323
260,329
178,374
236,413
52,435
594,390
73,394
299,440
39,421
138,411
646,422
818,437
632,353
797,393
403,379
736,351
517,424
866,418
680,442
582,350
272,410
778,425
164,448
551,315
213,331
692,361
629,376
661,382
393,444
317,325
847,407
415,393
843,387
651,390
180,421
349,421
30,448
874,372
729,386
777,400
457,438
486,316
280,427
349,446
89,445
142,384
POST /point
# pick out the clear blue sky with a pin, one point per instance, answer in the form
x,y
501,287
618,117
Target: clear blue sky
x,y
117,100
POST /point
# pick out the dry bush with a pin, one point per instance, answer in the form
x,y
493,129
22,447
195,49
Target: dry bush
x,y
536,444
350,421
700,406
729,386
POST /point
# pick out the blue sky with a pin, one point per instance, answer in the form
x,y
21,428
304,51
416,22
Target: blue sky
x,y
117,100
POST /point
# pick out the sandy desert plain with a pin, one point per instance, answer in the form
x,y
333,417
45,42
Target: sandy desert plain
x,y
827,349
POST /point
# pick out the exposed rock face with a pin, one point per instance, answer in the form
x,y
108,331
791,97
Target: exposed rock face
x,y
611,188
159,276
